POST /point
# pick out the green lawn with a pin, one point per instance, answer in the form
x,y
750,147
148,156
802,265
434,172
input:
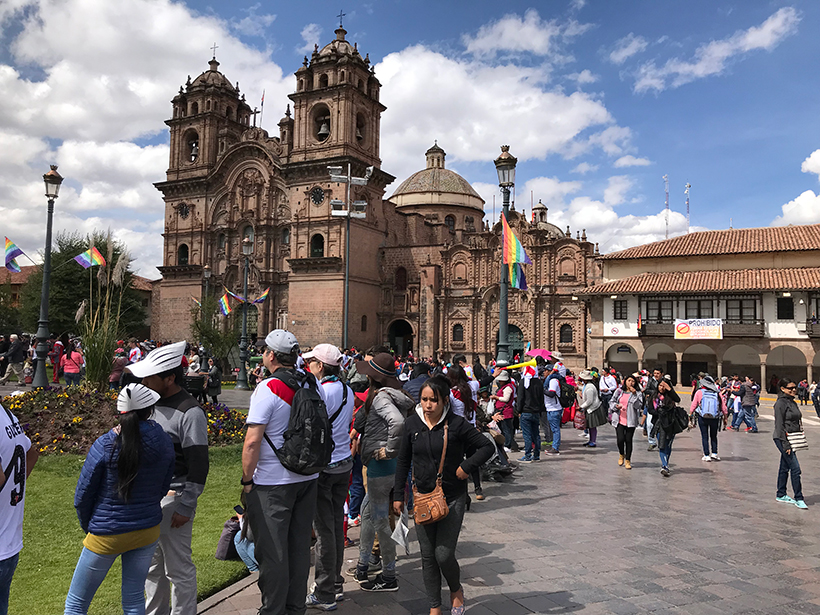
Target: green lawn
x,y
53,539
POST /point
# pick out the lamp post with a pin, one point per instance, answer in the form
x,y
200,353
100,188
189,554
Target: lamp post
x,y
206,273
52,180
348,210
505,165
242,378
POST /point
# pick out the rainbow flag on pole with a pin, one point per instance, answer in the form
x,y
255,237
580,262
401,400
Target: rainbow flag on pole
x,y
514,255
261,298
237,297
223,305
89,258
12,252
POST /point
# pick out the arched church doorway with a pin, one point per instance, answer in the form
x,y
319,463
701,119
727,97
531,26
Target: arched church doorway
x,y
400,337
516,340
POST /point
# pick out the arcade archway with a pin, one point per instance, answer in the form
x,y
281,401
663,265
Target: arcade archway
x,y
622,357
786,362
400,336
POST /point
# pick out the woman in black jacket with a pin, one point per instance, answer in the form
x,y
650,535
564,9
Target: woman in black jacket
x,y
665,423
421,446
787,419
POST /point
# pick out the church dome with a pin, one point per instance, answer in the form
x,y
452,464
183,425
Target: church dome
x,y
437,185
212,77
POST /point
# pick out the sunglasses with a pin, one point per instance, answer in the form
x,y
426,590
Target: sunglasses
x,y
791,388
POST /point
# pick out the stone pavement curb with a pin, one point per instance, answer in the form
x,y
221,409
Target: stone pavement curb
x,y
230,591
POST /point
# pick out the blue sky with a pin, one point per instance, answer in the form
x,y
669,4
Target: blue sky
x,y
598,99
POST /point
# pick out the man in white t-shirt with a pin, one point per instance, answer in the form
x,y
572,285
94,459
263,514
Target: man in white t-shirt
x,y
281,503
17,459
324,362
134,351
552,403
461,360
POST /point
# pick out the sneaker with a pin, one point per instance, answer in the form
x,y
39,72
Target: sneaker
x,y
507,450
349,542
748,429
652,447
526,459
340,593
706,458
380,584
785,499
354,522
665,471
312,602
592,444
534,459
714,457
801,505
552,451
360,576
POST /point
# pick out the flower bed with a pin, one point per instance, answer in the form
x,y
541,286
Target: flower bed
x,y
70,419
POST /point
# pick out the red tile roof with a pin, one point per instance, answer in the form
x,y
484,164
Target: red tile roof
x,y
731,241
732,280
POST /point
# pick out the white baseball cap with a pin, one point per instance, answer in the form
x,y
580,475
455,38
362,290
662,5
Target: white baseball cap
x,y
136,397
282,341
160,360
326,353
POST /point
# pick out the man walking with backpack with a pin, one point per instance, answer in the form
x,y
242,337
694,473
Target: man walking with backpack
x,y
280,477
710,407
554,407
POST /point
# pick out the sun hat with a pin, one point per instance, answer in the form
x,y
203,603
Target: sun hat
x,y
381,368
504,375
326,353
282,341
160,360
136,397
586,375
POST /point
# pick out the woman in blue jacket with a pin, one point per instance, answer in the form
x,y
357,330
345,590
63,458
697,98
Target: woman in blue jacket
x,y
125,476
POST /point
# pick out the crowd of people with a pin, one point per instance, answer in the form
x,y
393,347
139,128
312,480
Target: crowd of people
x,y
345,439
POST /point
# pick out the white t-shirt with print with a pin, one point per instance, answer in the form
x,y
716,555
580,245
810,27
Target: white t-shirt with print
x,y
270,406
14,445
334,394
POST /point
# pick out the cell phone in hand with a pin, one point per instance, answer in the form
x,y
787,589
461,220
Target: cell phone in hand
x,y
239,510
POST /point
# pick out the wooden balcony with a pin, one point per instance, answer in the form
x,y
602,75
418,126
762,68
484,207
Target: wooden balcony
x,y
813,328
657,329
744,329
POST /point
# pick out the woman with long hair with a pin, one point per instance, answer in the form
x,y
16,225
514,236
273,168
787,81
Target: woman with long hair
x,y
71,364
626,406
666,423
380,422
422,447
788,420
463,396
125,476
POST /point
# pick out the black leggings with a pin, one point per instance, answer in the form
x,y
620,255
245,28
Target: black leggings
x,y
625,434
437,543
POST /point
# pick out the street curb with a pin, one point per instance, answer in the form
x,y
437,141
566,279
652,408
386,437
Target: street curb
x,y
226,593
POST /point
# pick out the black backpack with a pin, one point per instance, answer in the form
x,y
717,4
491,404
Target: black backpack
x,y
308,444
567,395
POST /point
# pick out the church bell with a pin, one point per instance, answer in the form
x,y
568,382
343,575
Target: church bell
x,y
324,131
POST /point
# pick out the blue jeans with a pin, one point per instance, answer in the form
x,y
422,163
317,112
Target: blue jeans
x,y
749,417
788,464
530,428
708,434
666,451
554,419
356,489
91,570
507,428
7,568
246,551
71,379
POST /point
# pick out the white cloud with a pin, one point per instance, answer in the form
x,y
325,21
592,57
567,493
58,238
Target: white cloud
x,y
627,47
805,209
612,140
253,24
617,187
577,5
584,77
311,34
812,163
712,58
513,34
631,161
584,168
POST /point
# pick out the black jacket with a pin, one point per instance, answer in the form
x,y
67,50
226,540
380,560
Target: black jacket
x,y
530,399
16,352
787,418
422,446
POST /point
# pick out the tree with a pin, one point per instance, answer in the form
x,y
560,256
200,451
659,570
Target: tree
x,y
71,285
9,314
218,334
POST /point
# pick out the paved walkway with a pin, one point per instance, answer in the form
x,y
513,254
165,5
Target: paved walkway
x,y
578,533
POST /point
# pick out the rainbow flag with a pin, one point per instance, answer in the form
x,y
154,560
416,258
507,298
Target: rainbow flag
x,y
517,278
223,305
512,250
12,252
237,297
89,258
197,302
261,298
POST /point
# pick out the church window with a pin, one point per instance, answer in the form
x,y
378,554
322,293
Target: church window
x,y
182,255
460,271
458,333
401,279
301,85
360,127
192,146
317,246
194,108
323,81
566,334
221,240
321,122
247,233
208,105
360,85
342,77
450,221
285,236
364,323
229,112
566,267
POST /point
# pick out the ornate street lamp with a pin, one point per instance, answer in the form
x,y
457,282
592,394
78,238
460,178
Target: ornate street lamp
x,y
242,378
52,180
505,165
206,273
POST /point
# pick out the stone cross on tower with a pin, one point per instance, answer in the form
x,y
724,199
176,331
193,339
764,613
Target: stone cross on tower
x,y
214,48
341,16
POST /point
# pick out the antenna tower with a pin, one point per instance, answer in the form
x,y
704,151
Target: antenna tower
x,y
666,187
686,192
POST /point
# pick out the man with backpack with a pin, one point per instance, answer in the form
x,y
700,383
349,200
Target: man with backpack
x,y
710,408
280,473
556,394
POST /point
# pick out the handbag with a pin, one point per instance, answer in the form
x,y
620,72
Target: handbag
x,y
225,547
431,507
797,440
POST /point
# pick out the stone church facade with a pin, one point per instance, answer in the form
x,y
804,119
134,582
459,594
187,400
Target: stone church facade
x,y
424,265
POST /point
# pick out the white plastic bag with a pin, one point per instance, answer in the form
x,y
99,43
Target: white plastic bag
x,y
401,533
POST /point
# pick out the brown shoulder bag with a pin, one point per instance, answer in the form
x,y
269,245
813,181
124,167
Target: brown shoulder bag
x,y
431,507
